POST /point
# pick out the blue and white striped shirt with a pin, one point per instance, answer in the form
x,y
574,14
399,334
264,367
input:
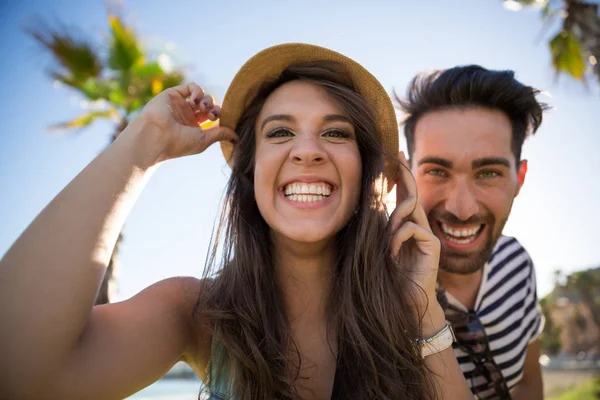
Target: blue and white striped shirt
x,y
508,308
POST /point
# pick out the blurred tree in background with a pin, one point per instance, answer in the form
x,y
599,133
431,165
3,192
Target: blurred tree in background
x,y
116,79
572,313
550,337
587,284
575,48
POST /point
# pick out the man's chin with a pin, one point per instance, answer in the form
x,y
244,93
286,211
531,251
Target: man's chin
x,y
464,264
468,261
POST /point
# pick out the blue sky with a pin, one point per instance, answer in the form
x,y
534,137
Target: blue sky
x,y
556,216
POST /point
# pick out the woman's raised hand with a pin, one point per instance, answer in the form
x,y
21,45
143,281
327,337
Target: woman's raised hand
x,y
414,245
172,119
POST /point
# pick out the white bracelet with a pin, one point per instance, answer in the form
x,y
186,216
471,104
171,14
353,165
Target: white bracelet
x,y
438,342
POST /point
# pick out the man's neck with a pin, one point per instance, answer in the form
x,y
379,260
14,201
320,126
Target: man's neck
x,y
463,288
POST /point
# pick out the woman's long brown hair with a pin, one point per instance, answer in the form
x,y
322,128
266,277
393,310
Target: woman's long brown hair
x,y
369,307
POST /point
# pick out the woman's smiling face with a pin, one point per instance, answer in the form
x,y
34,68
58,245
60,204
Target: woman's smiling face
x,y
307,173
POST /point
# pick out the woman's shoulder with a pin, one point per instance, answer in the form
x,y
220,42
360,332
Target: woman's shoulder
x,y
182,293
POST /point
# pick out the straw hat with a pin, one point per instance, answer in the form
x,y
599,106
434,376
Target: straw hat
x,y
268,65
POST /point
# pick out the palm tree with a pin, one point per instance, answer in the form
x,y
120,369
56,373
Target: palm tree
x,y
550,338
116,85
577,44
587,285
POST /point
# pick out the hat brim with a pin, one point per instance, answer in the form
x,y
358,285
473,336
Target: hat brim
x,y
268,65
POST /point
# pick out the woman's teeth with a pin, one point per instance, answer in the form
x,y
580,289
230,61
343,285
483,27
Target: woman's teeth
x,y
307,192
462,235
305,198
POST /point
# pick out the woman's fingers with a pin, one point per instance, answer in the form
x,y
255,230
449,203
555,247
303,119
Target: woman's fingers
x,y
220,133
195,139
206,103
191,90
408,207
406,185
186,117
427,242
402,212
214,113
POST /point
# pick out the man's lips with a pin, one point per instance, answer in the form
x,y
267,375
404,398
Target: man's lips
x,y
462,238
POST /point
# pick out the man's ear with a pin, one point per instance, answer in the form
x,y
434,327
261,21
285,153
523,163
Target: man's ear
x,y
521,175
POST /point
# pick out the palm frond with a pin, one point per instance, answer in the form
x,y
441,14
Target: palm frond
x,y
567,55
125,51
84,120
76,57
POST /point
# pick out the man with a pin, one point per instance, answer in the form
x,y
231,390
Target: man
x,y
465,128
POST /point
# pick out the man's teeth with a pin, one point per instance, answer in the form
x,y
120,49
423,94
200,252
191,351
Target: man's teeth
x,y
461,236
307,192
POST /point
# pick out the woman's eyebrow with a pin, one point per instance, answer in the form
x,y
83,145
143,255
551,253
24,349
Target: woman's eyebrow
x,y
336,117
276,117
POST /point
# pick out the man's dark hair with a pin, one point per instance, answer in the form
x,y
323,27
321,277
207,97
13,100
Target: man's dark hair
x,y
473,86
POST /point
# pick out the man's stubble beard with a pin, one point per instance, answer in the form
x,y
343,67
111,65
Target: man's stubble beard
x,y
465,264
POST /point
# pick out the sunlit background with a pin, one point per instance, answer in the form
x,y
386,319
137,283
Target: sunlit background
x,y
556,216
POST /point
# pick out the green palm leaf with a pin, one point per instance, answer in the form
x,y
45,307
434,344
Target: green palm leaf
x,y
76,57
125,51
129,85
84,120
567,55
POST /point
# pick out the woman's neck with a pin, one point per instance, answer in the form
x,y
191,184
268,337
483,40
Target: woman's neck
x,y
304,275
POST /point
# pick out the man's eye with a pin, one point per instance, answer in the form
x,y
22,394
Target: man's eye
x,y
336,133
280,132
437,172
488,174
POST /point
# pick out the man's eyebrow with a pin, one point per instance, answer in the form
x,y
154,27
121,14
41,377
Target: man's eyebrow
x,y
276,117
483,162
436,160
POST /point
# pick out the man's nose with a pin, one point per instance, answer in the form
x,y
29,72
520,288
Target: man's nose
x,y
461,201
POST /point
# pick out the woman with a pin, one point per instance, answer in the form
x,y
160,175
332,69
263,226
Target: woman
x,y
317,295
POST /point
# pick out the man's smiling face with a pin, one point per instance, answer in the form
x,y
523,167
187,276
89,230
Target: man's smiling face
x,y
467,179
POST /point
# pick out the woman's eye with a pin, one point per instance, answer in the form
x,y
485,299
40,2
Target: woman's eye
x,y
279,132
336,133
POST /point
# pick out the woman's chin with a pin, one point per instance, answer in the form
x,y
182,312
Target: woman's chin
x,y
306,234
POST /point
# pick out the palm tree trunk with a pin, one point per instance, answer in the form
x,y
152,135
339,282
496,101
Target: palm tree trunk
x,y
107,288
587,296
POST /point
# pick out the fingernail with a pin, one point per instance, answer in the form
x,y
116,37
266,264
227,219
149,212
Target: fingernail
x,y
206,105
197,101
215,113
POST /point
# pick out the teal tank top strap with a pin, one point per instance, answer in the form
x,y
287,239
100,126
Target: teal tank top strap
x,y
220,385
